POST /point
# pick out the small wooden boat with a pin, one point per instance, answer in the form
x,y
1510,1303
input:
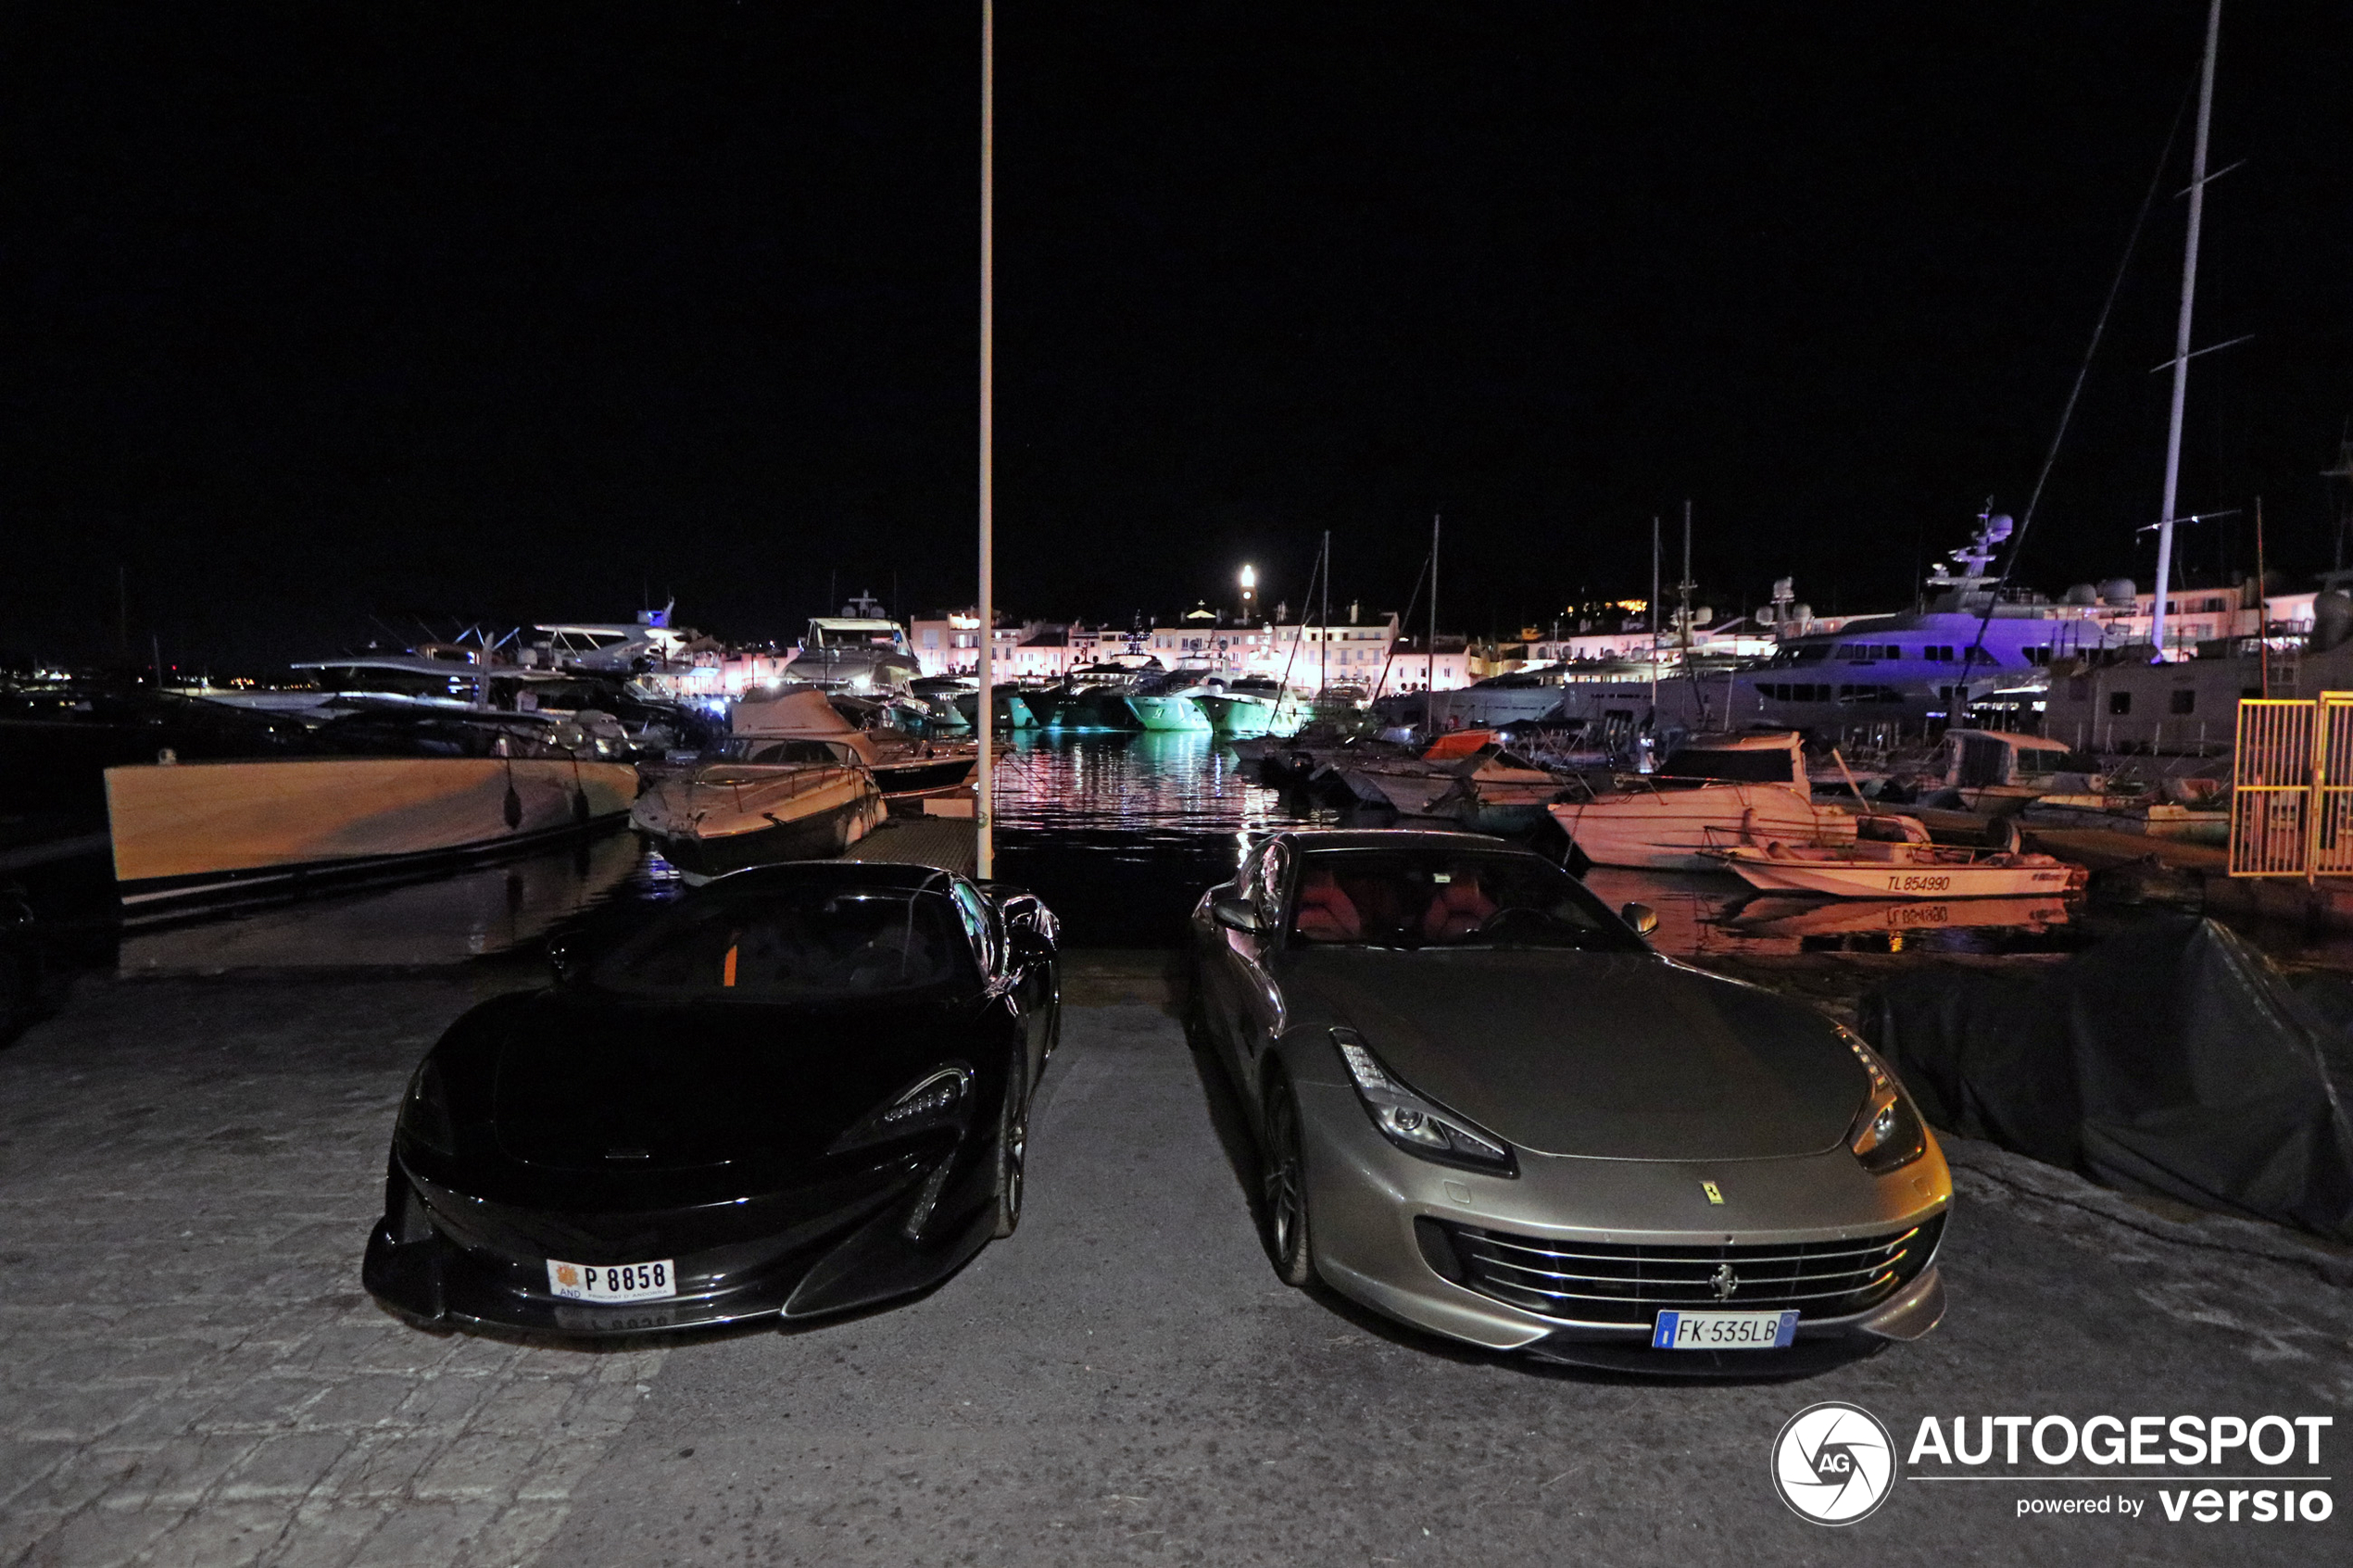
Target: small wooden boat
x,y
1875,869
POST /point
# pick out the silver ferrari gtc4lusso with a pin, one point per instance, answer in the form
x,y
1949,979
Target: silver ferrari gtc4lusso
x,y
1486,1108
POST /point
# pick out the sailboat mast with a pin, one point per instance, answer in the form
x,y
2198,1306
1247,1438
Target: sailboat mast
x,y
984,712
2181,328
1653,617
1323,642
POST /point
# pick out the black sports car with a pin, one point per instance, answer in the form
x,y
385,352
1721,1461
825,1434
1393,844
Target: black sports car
x,y
800,1089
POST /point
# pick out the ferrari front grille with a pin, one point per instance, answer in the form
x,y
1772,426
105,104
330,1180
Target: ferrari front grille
x,y
1606,1282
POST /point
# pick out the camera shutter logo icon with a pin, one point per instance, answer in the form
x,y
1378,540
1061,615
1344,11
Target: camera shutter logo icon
x,y
1833,1464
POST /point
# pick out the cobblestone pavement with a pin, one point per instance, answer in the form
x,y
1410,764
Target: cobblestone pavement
x,y
189,1372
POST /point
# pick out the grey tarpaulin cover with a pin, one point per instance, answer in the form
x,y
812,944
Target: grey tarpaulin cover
x,y
2171,1059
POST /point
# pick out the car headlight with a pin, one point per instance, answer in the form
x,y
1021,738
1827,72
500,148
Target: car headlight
x,y
1887,1133
940,1099
424,1112
1414,1123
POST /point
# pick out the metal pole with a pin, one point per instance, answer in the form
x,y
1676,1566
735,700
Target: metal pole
x,y
1324,648
2182,327
1430,669
985,849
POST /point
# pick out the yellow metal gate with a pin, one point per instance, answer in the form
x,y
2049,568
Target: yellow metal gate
x,y
2292,787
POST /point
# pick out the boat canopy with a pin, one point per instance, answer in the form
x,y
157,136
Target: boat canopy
x,y
789,711
1764,756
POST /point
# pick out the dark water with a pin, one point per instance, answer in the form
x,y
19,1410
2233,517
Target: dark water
x,y
1118,832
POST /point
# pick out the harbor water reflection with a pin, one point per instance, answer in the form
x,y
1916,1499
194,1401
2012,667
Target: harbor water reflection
x,y
1118,832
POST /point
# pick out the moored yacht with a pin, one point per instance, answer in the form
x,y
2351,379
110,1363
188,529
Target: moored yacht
x,y
791,783
1715,791
902,763
389,792
860,651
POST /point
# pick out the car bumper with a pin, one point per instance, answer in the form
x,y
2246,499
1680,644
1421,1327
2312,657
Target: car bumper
x,y
1366,1194
858,1256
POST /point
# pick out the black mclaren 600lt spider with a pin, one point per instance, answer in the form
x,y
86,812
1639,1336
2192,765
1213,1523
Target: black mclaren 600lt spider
x,y
800,1089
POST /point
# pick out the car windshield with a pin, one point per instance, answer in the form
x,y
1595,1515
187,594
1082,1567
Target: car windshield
x,y
1443,896
797,944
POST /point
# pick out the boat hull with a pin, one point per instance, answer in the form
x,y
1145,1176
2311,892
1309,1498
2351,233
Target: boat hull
x,y
1767,874
1673,829
1169,714
925,776
193,831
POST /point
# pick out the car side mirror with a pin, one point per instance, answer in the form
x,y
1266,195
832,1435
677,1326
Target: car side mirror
x,y
1234,913
1641,917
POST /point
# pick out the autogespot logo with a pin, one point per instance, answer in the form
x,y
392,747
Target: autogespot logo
x,y
1833,1464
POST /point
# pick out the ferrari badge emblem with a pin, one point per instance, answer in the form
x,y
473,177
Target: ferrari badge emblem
x,y
1715,1194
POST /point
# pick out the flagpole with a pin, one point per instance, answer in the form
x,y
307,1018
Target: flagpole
x,y
985,850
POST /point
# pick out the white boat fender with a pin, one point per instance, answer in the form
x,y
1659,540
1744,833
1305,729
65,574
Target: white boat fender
x,y
1776,849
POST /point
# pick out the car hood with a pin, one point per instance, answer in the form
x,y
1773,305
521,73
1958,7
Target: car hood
x,y
571,1080
1601,1055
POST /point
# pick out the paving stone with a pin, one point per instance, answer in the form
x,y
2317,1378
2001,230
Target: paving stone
x,y
423,1535
191,1374
515,1537
558,1468
361,1399
84,1414
22,1529
324,1532
178,1473
288,1466
223,1534
445,1401
100,1537
523,1406
479,1464
383,1464
265,1401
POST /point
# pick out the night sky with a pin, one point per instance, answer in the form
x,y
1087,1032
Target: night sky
x,y
322,320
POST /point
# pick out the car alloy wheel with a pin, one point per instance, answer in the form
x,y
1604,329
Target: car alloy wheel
x,y
1012,1147
1283,1188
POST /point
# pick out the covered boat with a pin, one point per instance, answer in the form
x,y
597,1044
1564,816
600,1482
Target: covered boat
x,y
903,764
1728,788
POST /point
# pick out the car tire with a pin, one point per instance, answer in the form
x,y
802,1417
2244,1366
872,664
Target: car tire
x,y
1012,1149
1283,1188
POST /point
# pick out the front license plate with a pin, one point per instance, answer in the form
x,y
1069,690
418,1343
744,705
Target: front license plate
x,y
612,1282
1724,1331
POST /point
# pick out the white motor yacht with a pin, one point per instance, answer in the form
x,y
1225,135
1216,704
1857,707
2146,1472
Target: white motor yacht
x,y
1715,790
786,787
